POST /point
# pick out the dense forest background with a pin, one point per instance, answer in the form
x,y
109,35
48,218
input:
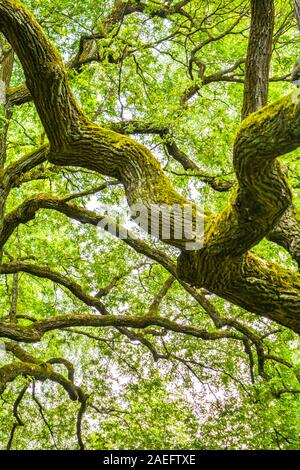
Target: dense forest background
x,y
190,369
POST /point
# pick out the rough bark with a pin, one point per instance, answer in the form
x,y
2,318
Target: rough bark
x,y
258,56
6,66
297,12
224,266
34,333
287,232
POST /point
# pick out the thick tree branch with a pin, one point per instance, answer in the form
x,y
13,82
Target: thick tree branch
x,y
89,44
29,334
256,285
44,72
287,232
263,194
21,354
28,209
41,372
258,56
138,127
58,278
241,281
14,172
223,265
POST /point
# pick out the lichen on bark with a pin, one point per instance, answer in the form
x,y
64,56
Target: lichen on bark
x,y
224,265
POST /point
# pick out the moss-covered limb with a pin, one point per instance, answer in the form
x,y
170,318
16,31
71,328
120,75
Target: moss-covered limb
x,y
143,322
10,372
6,67
270,132
263,193
76,289
28,209
135,155
158,298
68,365
16,96
73,140
119,156
13,173
287,233
21,354
89,49
135,126
88,46
18,333
46,273
44,72
206,271
252,283
34,333
268,290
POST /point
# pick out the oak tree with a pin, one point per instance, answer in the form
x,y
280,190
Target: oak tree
x,y
161,104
